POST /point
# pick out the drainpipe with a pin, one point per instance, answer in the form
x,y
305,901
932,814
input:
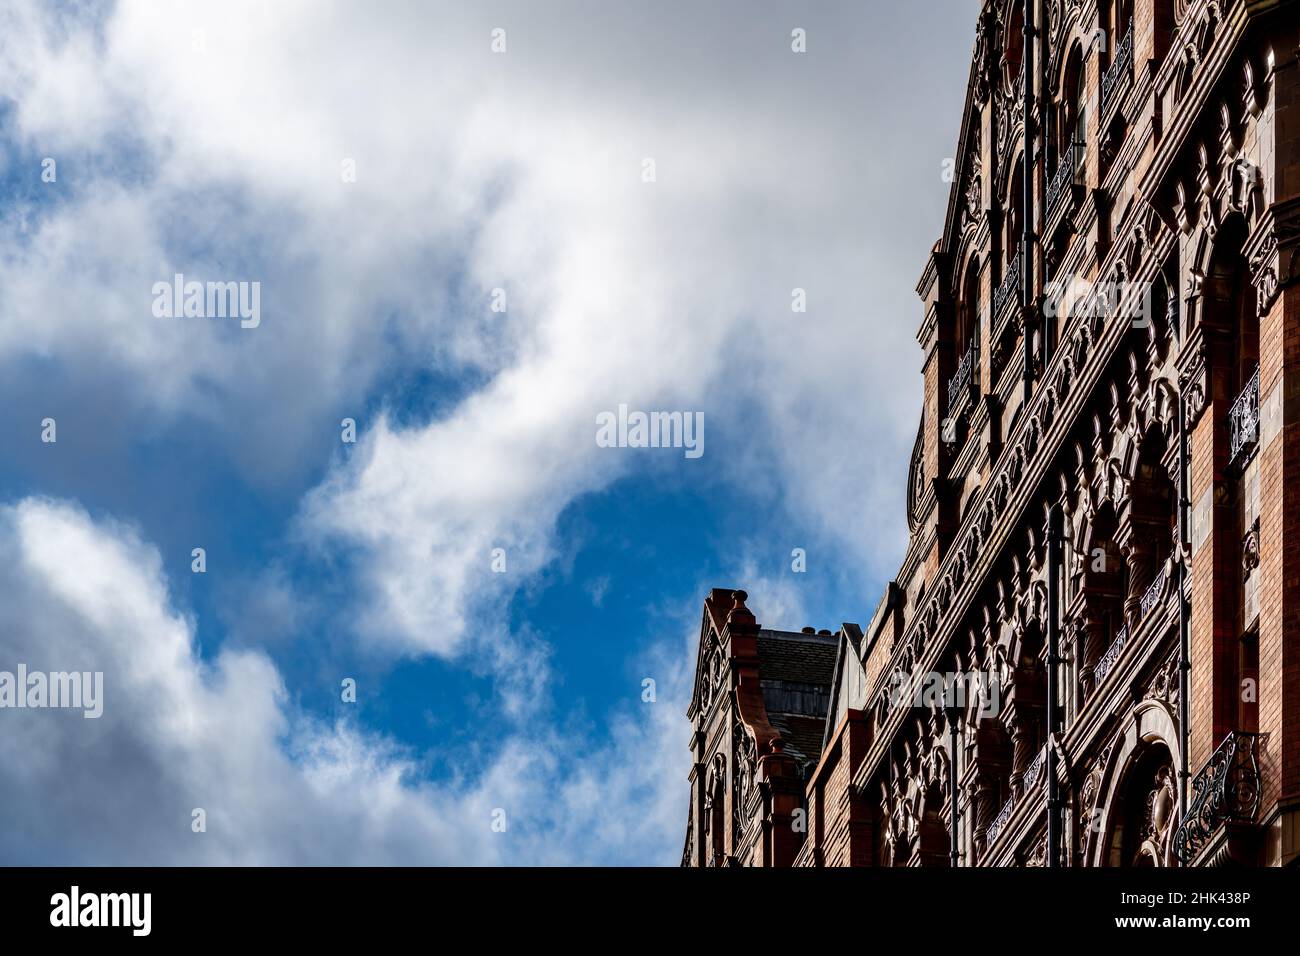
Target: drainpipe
x,y
1049,334
1026,225
954,853
1054,540
1184,612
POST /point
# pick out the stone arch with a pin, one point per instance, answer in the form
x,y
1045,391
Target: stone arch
x,y
1158,411
932,843
1027,640
1151,437
1149,743
1217,257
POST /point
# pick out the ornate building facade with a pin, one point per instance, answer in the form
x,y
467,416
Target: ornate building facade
x,y
1090,655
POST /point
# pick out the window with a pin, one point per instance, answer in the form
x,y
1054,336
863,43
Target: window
x,y
1121,18
1013,46
968,310
1073,127
1015,214
1164,29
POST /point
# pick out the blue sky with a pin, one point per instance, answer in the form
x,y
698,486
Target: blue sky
x,y
209,140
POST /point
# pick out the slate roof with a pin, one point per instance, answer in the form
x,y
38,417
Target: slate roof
x,y
799,658
795,671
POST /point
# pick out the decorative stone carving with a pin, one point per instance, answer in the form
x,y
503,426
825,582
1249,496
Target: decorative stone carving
x,y
916,480
1263,273
987,31
1161,817
1192,381
746,764
1089,821
1250,550
1038,855
1165,684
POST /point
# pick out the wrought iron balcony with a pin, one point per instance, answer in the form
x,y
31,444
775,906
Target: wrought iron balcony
x,y
1155,590
1009,288
1243,422
1067,170
1110,657
1116,77
1035,771
960,383
1227,790
1033,774
1000,820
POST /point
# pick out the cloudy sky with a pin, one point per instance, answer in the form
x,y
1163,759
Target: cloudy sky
x,y
646,185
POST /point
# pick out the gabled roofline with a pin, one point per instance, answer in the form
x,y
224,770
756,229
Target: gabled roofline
x,y
850,639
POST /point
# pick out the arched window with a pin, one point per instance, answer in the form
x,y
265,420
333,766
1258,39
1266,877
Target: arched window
x,y
968,310
1229,301
1015,214
1146,816
1073,126
1164,27
1013,45
933,841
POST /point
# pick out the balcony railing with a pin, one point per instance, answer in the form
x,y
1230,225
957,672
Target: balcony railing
x,y
1115,78
1000,820
1110,657
1243,422
1035,770
1033,775
1067,170
1226,790
960,383
1155,590
1009,287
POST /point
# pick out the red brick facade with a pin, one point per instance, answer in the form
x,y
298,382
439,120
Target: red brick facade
x,y
1110,346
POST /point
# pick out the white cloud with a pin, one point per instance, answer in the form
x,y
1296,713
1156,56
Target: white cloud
x,y
179,732
474,172
477,171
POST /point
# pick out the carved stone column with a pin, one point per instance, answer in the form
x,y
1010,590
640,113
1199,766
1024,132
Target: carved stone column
x,y
1139,555
1091,642
1022,749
